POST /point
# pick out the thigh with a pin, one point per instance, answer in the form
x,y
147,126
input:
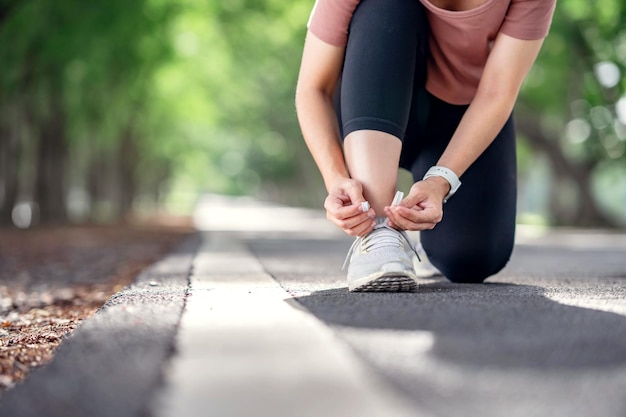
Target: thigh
x,y
475,238
385,59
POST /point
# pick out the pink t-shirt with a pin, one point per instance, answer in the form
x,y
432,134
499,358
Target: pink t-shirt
x,y
460,42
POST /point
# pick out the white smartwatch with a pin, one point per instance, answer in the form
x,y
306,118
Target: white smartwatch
x,y
448,175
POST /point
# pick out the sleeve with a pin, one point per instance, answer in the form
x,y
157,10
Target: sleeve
x,y
528,19
330,20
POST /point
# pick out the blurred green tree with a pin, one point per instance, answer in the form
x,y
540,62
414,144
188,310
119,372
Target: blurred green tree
x,y
244,57
110,106
75,79
573,110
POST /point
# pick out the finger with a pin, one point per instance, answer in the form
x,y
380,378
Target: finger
x,y
355,192
418,215
402,219
415,197
395,221
362,229
337,199
335,202
336,208
404,224
348,212
352,222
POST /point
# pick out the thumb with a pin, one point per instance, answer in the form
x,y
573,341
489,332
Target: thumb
x,y
355,192
416,196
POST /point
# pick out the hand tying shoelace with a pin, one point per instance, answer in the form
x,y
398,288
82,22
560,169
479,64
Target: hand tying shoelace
x,y
381,236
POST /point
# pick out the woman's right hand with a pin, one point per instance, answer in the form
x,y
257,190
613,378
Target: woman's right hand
x,y
343,208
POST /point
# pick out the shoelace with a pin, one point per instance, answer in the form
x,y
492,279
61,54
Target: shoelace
x,y
384,238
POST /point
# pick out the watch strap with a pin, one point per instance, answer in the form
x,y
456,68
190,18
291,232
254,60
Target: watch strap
x,y
448,175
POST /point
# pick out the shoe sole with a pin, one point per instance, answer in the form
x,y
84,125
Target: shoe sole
x,y
387,283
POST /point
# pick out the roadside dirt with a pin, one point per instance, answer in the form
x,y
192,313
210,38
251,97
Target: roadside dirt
x,y
51,279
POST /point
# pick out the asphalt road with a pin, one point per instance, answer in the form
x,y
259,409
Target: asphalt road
x,y
258,321
113,364
547,336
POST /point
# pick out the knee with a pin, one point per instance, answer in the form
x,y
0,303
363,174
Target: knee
x,y
393,14
469,265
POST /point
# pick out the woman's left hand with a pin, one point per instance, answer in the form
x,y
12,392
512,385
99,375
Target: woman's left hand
x,y
422,209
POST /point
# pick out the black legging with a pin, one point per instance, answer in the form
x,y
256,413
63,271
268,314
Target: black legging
x,y
382,88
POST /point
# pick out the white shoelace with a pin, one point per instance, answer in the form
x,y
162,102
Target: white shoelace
x,y
384,238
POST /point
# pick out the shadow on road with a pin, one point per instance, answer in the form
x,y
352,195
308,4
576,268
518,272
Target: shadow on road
x,y
487,325
522,344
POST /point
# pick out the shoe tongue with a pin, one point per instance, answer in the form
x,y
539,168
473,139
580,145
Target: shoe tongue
x,y
382,235
380,222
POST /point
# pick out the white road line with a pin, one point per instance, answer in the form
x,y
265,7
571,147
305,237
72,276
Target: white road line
x,y
244,350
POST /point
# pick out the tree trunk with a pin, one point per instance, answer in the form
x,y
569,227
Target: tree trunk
x,y
9,164
127,182
5,12
98,173
52,157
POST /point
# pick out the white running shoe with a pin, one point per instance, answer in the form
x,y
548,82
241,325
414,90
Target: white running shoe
x,y
424,269
381,261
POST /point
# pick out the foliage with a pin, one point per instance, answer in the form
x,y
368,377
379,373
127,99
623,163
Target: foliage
x,y
576,93
234,74
144,103
73,95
